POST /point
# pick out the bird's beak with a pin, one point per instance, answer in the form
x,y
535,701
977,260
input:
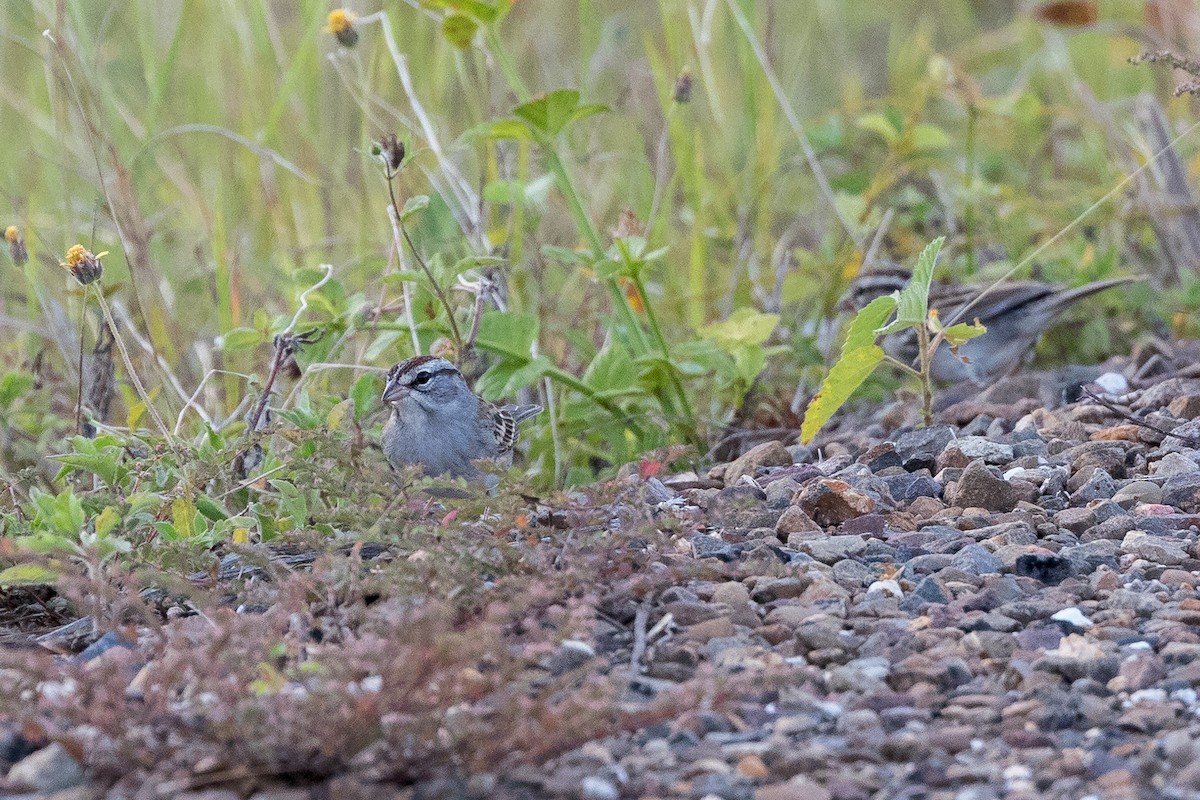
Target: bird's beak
x,y
394,391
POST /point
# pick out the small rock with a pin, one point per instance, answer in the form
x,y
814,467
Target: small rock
x,y
831,549
832,502
976,560
51,769
973,447
794,520
979,488
1185,406
1183,492
597,788
732,594
921,447
1098,486
1175,464
1159,549
741,506
1072,617
767,454
780,492
1136,492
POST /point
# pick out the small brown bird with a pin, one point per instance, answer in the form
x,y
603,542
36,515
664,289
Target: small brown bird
x,y
439,423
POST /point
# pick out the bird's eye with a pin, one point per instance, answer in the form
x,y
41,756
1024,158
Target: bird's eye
x,y
421,379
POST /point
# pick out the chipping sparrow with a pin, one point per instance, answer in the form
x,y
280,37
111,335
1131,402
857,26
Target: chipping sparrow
x,y
439,423
1016,314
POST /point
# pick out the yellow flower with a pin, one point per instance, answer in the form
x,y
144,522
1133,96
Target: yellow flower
x,y
16,245
85,266
339,20
341,24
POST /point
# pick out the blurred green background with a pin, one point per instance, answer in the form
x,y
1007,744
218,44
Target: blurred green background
x,y
221,151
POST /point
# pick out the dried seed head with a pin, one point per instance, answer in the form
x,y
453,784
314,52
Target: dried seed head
x,y
391,151
341,24
82,264
682,93
16,245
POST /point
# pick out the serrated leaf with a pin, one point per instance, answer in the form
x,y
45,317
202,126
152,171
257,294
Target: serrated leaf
x,y
843,379
863,328
27,575
459,30
859,357
913,304
414,204
337,415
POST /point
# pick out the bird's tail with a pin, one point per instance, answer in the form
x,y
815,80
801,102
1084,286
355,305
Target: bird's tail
x,y
1068,296
519,413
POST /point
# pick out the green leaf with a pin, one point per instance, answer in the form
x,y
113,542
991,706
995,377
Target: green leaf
x,y
880,124
183,515
506,129
382,343
365,393
107,520
414,204
210,508
744,327
28,575
242,339
865,326
914,297
860,355
929,137
459,30
510,376
508,333
472,262
612,369
337,414
552,112
963,332
14,385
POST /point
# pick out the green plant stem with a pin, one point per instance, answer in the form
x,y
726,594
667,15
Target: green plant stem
x,y
133,376
575,204
507,67
688,414
437,290
926,358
